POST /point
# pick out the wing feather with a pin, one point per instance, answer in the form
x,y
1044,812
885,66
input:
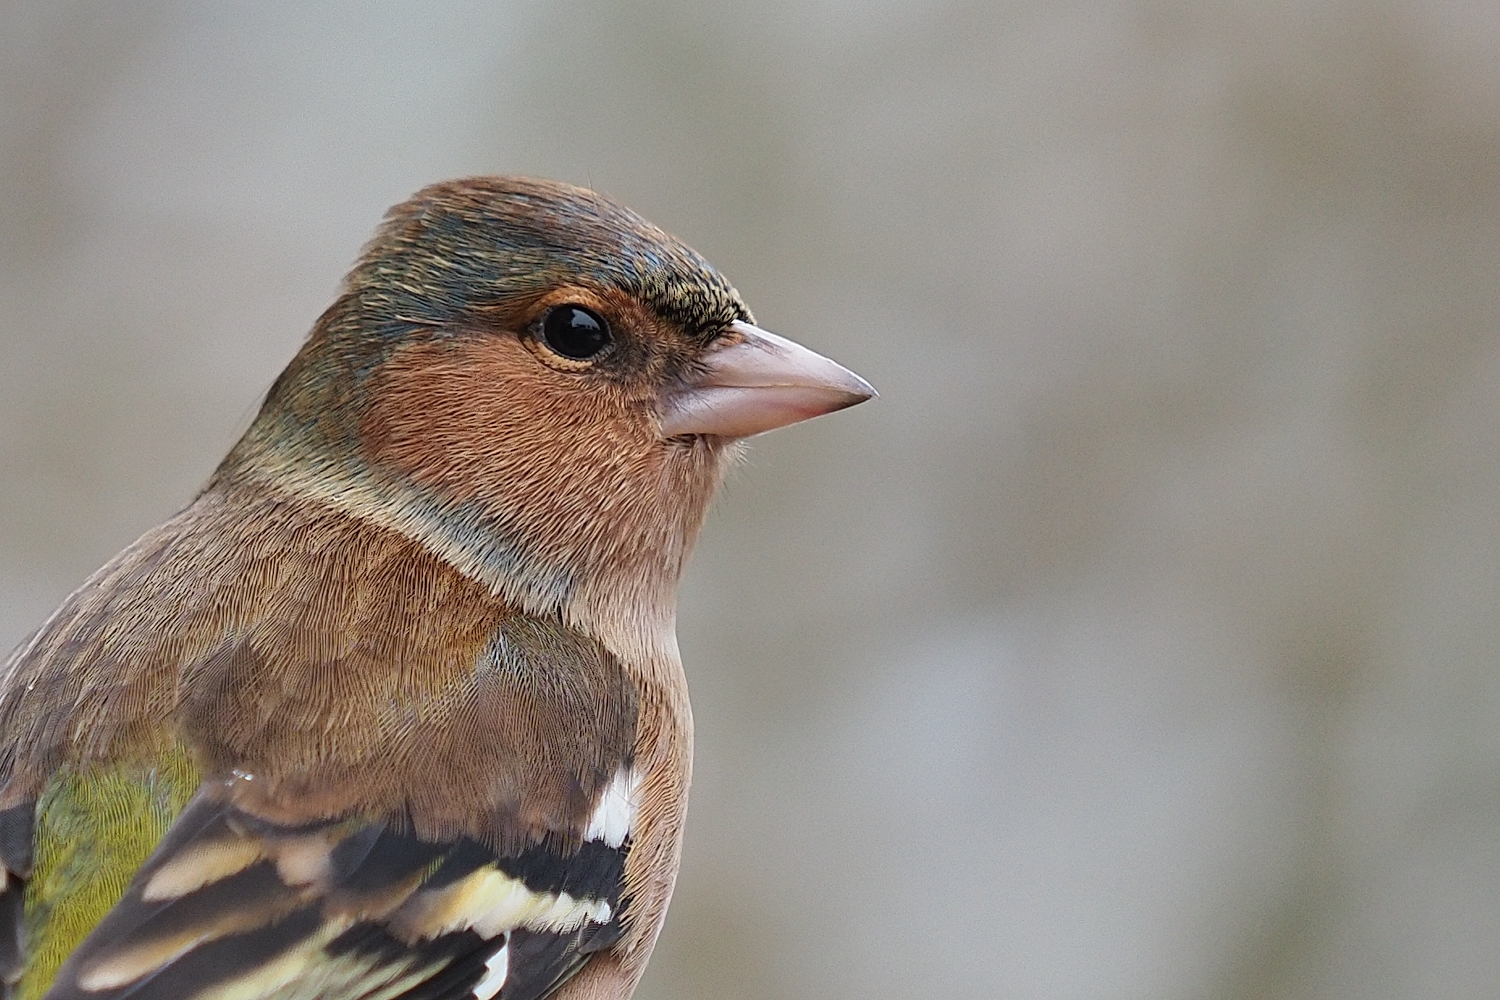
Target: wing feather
x,y
15,867
233,906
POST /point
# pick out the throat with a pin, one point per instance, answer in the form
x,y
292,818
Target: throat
x,y
618,587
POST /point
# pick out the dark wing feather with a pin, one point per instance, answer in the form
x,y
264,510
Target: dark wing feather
x,y
15,867
551,959
231,904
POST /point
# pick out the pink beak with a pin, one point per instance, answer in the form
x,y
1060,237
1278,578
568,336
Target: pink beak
x,y
756,381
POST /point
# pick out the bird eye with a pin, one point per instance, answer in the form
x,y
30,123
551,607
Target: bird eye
x,y
575,332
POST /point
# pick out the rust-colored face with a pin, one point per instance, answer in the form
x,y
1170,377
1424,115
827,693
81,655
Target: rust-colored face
x,y
566,453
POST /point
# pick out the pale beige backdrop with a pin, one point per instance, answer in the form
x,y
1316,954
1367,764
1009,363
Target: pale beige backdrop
x,y
1141,641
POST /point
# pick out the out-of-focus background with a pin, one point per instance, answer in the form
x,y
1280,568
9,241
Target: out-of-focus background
x,y
1141,641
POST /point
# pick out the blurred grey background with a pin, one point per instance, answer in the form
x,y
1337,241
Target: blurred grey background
x,y
1139,642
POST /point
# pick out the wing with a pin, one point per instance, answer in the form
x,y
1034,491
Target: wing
x,y
233,905
15,867
441,801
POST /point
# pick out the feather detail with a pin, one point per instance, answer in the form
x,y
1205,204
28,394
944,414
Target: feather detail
x,y
614,816
16,853
94,827
342,665
468,724
389,914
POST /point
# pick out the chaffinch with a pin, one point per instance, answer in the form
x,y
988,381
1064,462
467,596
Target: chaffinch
x,y
394,707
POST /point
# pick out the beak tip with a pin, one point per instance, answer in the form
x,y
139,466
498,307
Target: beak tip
x,y
858,390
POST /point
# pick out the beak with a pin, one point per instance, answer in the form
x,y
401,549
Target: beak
x,y
755,381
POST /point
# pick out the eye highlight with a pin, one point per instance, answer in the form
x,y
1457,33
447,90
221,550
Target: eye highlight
x,y
574,332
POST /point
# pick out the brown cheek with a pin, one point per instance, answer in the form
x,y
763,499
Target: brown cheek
x,y
483,418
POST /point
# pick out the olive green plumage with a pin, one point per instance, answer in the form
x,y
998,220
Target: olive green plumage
x,y
94,828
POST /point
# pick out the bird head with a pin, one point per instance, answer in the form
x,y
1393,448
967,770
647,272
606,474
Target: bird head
x,y
541,387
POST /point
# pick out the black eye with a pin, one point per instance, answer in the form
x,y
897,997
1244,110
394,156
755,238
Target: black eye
x,y
575,332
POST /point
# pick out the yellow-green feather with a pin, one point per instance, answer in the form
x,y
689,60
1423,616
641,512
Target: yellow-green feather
x,y
94,828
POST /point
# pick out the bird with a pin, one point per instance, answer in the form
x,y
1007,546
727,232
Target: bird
x,y
394,707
